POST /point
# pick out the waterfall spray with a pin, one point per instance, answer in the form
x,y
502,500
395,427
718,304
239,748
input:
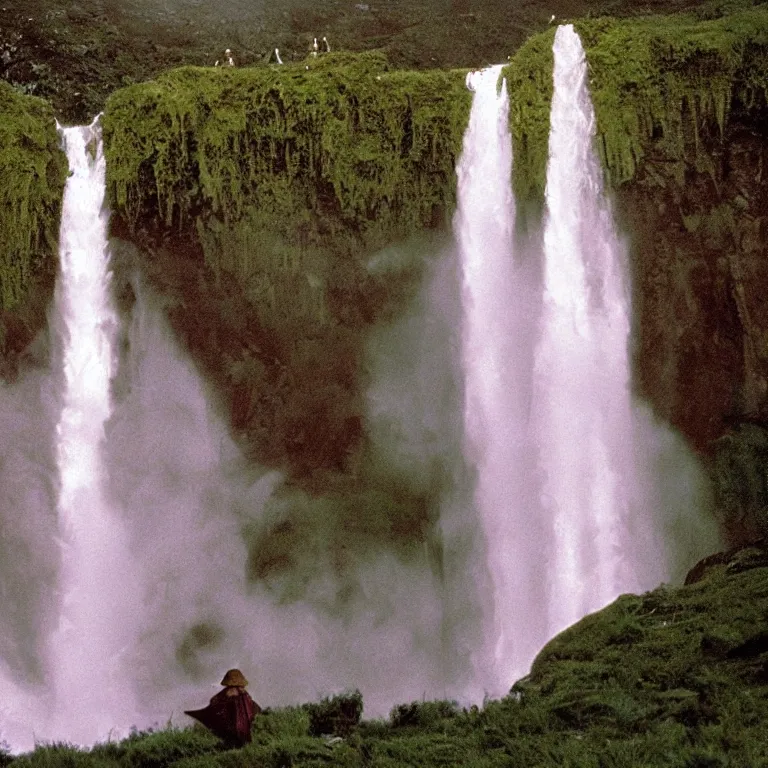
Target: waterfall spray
x,y
92,695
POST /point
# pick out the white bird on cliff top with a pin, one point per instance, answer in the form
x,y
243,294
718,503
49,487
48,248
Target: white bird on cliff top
x,y
228,61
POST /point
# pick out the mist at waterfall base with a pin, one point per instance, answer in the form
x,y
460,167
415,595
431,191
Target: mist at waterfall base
x,y
167,478
461,619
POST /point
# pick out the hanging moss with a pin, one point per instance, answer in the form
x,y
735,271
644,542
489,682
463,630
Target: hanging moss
x,y
529,82
671,79
33,170
337,144
372,150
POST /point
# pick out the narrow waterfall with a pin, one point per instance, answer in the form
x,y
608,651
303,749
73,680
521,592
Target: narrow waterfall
x,y
496,361
583,412
91,692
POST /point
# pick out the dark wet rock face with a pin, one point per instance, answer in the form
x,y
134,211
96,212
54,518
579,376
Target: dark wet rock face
x,y
700,284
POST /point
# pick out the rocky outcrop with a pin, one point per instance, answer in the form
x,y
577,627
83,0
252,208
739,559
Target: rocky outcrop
x,y
700,271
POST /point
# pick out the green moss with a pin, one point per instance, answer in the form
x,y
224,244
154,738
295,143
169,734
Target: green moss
x,y
664,81
335,145
671,79
33,170
347,145
529,83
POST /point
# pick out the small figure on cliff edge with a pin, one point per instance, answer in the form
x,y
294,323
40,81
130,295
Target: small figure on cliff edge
x,y
315,48
230,712
327,45
227,61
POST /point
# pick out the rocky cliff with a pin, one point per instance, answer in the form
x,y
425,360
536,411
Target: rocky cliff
x,y
257,195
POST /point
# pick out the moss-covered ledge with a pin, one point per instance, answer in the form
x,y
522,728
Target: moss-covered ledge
x,y
33,170
265,189
336,144
659,84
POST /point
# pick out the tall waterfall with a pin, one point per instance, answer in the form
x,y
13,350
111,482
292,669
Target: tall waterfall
x,y
90,686
582,408
563,491
497,317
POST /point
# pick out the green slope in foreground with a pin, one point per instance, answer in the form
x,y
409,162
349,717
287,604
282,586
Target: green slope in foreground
x,y
675,678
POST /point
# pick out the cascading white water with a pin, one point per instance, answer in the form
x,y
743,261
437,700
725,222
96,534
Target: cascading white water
x,y
562,456
496,325
582,409
91,693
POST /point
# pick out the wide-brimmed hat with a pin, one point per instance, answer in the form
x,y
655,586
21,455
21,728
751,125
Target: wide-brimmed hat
x,y
234,677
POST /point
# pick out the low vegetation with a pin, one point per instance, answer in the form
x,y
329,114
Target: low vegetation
x,y
675,678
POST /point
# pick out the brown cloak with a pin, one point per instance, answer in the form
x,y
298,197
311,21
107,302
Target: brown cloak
x,y
229,715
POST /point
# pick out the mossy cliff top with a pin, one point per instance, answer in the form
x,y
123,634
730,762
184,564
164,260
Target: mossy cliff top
x,y
358,144
33,170
668,79
336,143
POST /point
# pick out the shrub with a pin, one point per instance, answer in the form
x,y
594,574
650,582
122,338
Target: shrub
x,y
337,715
286,723
425,714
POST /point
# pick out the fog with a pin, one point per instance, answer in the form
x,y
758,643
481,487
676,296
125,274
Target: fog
x,y
397,625
190,505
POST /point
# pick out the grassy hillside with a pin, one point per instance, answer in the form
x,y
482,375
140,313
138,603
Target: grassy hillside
x,y
675,678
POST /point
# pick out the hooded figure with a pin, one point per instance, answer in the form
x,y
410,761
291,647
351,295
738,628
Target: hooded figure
x,y
230,712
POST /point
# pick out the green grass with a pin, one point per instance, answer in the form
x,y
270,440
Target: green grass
x,y
673,678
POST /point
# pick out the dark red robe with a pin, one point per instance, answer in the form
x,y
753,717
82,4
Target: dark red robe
x,y
229,715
